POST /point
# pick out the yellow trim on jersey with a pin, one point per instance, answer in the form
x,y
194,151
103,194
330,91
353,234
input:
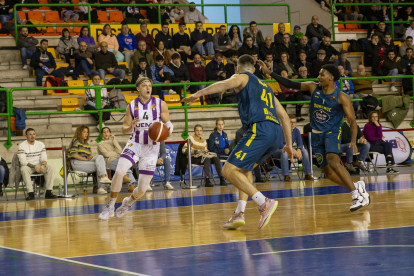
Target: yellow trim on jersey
x,y
253,135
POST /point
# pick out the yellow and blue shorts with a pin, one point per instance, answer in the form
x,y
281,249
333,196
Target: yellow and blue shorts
x,y
324,143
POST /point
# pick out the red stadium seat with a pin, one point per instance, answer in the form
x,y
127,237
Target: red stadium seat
x,y
37,15
50,31
116,16
52,17
103,17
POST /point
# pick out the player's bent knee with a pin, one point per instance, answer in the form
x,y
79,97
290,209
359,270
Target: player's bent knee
x,y
123,166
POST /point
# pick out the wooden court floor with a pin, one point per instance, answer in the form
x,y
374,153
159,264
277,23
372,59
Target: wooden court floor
x,y
180,233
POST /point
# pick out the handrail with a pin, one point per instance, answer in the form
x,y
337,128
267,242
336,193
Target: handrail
x,y
391,21
16,25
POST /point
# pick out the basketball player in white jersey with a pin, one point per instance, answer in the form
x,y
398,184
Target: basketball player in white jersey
x,y
140,114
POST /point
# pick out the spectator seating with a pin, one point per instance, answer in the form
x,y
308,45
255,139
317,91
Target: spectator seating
x,y
53,17
224,61
116,16
36,15
103,17
350,27
73,83
172,100
129,99
70,104
22,15
90,81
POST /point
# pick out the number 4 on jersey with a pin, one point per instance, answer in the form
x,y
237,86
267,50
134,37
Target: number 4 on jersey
x,y
264,98
145,117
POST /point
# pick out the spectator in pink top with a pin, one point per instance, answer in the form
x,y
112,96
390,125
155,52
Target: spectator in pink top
x,y
373,134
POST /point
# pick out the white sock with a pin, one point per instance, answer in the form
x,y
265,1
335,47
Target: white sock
x,y
259,198
241,206
111,202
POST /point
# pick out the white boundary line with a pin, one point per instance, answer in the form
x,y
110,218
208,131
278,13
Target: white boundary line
x,y
76,262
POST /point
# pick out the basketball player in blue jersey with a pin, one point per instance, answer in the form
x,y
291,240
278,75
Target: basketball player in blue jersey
x,y
266,121
327,108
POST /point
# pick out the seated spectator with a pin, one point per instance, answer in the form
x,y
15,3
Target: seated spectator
x,y
127,44
215,72
381,31
371,15
193,15
221,42
303,62
407,44
248,48
268,47
67,46
161,51
27,45
303,74
134,12
372,53
110,149
181,74
344,62
106,63
408,83
198,149
142,70
331,52
182,42
288,66
258,71
110,39
166,38
410,30
7,13
297,34
304,46
399,29
164,15
255,33
81,159
271,64
83,11
292,95
348,88
176,13
406,14
390,46
352,12
362,145
161,74
88,39
287,47
315,32
146,37
197,74
391,67
202,41
84,60
373,133
363,87
278,37
339,10
319,62
407,60
143,53
152,15
44,63
33,159
300,153
235,39
165,161
90,101
218,141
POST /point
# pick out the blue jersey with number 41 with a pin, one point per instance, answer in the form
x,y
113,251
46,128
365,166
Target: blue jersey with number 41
x,y
256,102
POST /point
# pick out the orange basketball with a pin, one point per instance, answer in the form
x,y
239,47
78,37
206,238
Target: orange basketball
x,y
158,132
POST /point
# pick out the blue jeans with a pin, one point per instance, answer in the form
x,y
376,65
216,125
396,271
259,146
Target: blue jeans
x,y
7,17
118,56
362,149
40,73
167,169
87,68
25,54
204,49
117,73
2,173
284,161
113,166
354,104
394,72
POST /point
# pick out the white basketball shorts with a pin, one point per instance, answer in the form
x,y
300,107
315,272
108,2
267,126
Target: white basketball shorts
x,y
147,156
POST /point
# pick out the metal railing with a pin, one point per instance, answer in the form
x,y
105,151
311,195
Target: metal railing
x,y
16,25
391,21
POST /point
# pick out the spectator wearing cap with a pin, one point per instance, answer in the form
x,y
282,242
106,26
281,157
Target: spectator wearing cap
x,y
319,62
304,46
278,38
255,33
303,62
315,31
193,15
297,34
344,62
221,42
67,45
407,44
331,52
268,47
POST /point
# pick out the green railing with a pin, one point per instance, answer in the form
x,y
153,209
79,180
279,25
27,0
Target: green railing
x,y
16,25
392,22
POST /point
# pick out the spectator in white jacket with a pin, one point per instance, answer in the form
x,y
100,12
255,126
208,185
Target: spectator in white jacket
x,y
33,159
193,15
176,13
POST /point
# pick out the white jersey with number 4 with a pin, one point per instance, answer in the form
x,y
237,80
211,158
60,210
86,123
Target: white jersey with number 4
x,y
147,113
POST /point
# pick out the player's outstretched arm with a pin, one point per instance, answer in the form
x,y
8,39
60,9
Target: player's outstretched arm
x,y
287,131
218,87
128,124
350,115
165,117
302,86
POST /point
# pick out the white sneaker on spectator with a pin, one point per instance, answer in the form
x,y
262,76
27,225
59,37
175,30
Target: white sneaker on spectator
x,y
171,92
25,67
394,89
101,191
168,186
105,180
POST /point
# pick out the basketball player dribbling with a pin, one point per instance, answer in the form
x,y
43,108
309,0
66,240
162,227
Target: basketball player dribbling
x,y
327,108
264,117
140,114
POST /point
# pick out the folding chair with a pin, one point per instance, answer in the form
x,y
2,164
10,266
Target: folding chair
x,y
202,174
159,174
354,154
374,165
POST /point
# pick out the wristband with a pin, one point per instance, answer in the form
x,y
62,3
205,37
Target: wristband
x,y
170,126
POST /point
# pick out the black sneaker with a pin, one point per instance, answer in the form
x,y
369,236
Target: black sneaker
x,y
222,181
30,196
390,171
260,180
208,183
394,171
49,195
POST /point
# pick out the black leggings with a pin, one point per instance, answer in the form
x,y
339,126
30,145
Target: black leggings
x,y
382,147
207,163
105,116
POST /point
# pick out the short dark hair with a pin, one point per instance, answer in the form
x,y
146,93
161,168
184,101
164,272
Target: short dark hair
x,y
408,49
218,54
199,22
159,58
409,37
332,70
234,53
164,23
43,40
106,127
222,26
372,36
280,72
181,24
124,24
252,23
29,129
142,60
162,8
387,33
175,56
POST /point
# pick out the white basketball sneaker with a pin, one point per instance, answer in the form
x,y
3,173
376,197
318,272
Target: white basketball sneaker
x,y
106,213
120,212
363,192
357,202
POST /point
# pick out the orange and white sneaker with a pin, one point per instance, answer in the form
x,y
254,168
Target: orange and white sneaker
x,y
236,221
266,211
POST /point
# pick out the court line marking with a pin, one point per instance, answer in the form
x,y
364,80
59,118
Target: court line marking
x,y
76,262
326,248
194,245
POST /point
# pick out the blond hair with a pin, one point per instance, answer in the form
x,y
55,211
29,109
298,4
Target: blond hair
x,y
141,79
